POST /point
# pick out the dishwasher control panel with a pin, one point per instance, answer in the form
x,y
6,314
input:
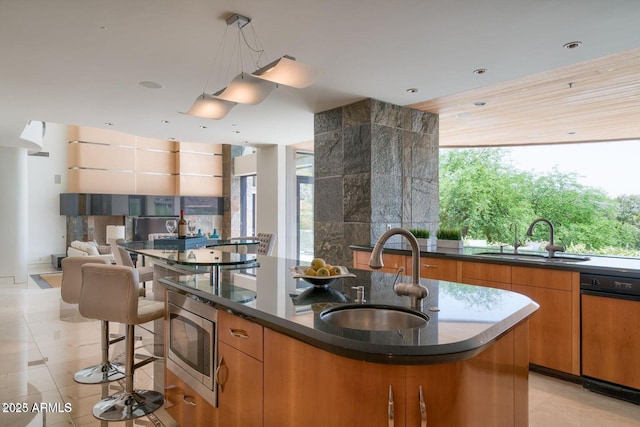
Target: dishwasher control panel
x,y
610,284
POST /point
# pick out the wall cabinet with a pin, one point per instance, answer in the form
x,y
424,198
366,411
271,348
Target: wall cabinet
x,y
322,389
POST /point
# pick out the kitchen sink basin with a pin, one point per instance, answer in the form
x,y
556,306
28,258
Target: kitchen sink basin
x,y
374,317
536,257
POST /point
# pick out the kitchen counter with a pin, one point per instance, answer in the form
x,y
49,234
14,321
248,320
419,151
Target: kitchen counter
x,y
618,266
463,319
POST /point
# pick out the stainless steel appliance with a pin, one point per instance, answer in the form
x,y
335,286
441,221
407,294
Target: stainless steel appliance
x,y
192,343
610,327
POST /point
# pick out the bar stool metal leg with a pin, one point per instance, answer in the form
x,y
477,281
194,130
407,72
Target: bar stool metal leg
x,y
130,403
105,371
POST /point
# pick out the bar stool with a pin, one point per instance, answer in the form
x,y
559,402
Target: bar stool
x,y
70,289
122,257
110,293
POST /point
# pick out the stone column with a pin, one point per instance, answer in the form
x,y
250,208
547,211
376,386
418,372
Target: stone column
x,y
376,166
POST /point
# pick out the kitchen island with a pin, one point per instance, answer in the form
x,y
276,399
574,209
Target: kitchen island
x,y
280,364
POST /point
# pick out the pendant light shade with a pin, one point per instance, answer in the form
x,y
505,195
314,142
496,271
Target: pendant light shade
x,y
208,107
246,89
287,71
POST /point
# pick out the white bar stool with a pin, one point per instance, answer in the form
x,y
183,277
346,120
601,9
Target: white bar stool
x,y
70,289
110,292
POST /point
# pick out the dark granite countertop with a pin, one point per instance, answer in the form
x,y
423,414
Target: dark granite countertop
x,y
463,319
609,265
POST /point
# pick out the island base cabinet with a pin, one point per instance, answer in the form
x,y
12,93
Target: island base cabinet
x,y
305,386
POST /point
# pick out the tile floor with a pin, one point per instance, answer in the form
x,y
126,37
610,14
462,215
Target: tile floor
x,y
43,341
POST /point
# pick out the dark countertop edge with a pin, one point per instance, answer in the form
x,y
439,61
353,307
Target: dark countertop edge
x,y
578,266
375,353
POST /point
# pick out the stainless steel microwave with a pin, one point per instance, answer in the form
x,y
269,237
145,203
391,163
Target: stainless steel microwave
x,y
192,343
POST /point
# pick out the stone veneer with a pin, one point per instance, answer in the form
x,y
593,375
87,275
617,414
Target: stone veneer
x,y
376,166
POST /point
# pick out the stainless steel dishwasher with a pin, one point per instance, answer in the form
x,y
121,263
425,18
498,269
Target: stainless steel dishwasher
x,y
610,329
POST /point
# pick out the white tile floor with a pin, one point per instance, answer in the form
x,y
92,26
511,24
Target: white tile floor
x,y
43,341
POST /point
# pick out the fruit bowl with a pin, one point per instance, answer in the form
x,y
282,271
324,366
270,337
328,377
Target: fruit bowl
x,y
298,273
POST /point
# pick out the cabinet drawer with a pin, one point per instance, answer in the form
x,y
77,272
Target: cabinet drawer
x,y
391,261
240,334
184,405
542,278
437,268
486,271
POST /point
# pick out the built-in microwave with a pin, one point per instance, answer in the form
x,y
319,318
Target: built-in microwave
x,y
192,343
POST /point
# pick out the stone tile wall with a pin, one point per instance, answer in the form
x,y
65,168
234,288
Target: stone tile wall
x,y
376,165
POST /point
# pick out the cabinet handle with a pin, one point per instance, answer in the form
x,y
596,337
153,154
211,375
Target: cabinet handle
x,y
391,421
430,265
423,410
216,376
189,400
239,333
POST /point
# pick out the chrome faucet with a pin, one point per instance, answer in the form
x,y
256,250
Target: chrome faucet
x,y
415,290
551,247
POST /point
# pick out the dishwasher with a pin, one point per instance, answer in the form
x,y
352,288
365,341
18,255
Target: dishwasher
x,y
610,335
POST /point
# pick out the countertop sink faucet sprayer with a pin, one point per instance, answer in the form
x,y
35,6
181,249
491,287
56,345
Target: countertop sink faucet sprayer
x,y
414,290
552,248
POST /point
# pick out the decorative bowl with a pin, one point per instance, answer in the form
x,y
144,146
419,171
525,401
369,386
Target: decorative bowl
x,y
298,273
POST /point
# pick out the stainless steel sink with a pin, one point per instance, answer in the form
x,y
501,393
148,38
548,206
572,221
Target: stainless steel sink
x,y
536,257
374,317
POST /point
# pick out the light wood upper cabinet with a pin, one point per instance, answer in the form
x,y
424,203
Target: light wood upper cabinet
x,y
105,161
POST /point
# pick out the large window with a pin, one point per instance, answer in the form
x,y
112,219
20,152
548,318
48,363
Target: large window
x,y
587,191
304,197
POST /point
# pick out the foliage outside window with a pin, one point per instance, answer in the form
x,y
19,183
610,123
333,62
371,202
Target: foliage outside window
x,y
489,199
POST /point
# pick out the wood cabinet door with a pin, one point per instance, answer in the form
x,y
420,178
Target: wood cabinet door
x,y
186,406
305,386
240,388
550,328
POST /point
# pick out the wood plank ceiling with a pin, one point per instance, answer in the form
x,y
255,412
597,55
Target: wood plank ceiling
x,y
597,100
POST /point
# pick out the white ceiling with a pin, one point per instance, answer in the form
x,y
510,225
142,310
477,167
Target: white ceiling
x,y
80,62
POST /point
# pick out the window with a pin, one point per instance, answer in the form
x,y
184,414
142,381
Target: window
x,y
248,205
304,198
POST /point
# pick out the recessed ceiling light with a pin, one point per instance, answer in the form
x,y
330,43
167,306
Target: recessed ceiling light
x,y
172,138
236,131
479,71
203,127
109,124
464,115
150,85
164,121
572,132
479,103
572,45
413,90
